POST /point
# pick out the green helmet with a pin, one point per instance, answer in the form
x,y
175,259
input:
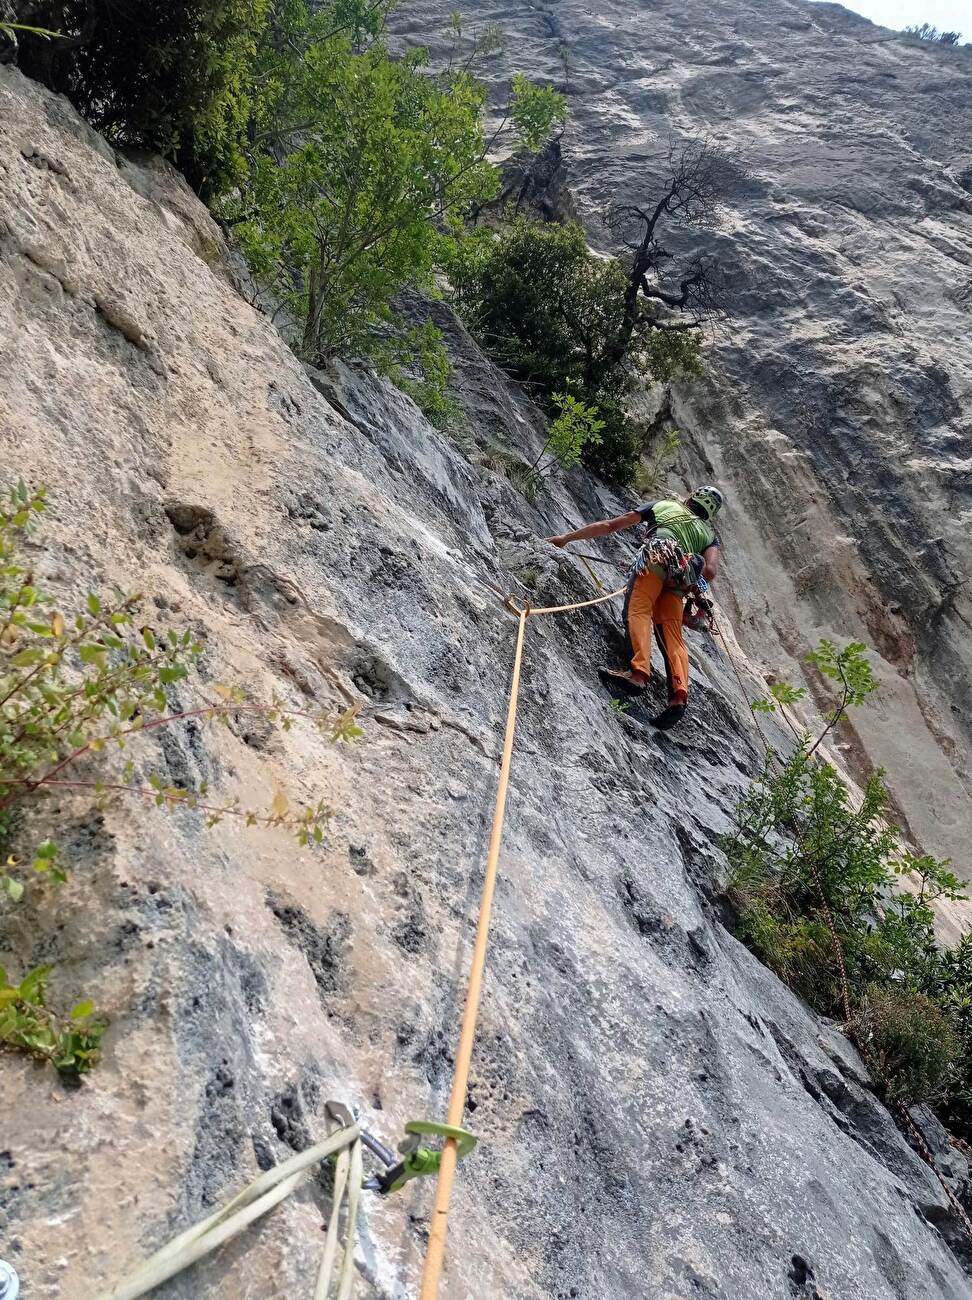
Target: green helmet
x,y
710,499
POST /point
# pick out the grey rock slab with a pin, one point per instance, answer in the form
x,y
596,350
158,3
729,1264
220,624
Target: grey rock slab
x,y
836,407
659,1116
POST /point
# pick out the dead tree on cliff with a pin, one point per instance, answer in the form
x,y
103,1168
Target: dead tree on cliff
x,y
661,293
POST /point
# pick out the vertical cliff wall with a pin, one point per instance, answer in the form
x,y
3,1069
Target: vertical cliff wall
x,y
836,405
659,1115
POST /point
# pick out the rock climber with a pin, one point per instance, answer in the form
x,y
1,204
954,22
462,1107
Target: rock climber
x,y
681,547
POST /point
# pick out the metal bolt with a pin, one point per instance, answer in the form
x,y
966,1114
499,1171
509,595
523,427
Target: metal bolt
x,y
9,1281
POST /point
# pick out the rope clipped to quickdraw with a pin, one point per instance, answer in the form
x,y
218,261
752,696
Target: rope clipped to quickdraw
x,y
344,1150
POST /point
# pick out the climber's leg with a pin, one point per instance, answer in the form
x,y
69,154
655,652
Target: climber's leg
x,y
642,593
668,631
645,591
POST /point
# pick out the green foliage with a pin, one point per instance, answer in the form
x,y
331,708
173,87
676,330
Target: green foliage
x,y
911,1041
175,75
575,428
850,667
534,111
362,161
651,472
70,1043
616,706
781,693
74,689
417,361
540,300
556,316
926,32
804,856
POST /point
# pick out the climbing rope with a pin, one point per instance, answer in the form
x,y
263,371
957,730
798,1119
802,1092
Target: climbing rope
x,y
344,1146
435,1254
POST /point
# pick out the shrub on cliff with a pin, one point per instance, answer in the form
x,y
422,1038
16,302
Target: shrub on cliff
x,y
823,891
77,689
565,320
175,76
926,32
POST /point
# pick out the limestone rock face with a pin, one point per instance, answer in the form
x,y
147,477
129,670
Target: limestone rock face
x,y
836,409
659,1116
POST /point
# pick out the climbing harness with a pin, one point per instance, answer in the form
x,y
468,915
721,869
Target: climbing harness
x,y
699,611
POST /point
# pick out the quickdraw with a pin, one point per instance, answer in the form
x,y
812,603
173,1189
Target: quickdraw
x,y
418,1160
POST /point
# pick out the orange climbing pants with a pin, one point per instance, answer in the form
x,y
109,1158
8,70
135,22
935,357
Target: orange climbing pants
x,y
649,602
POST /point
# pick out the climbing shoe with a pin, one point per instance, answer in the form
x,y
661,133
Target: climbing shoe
x,y
667,719
618,679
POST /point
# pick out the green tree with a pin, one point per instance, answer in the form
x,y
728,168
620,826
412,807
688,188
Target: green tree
x,y
362,164
551,312
824,893
176,76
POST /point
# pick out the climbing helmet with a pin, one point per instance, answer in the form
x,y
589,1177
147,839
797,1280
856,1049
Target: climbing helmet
x,y
710,499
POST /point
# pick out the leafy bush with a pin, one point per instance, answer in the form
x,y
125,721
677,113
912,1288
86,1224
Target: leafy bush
x,y
926,32
175,75
575,428
362,162
564,320
797,831
74,688
551,312
823,891
653,469
26,1025
417,362
911,1042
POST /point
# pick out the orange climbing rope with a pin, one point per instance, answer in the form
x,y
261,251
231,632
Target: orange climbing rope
x,y
435,1254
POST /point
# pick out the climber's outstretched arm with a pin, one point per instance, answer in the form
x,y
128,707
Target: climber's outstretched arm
x,y
710,566
601,529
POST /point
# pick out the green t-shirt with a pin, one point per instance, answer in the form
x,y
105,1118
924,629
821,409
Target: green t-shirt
x,y
675,520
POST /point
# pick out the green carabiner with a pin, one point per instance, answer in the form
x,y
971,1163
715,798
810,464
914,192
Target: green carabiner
x,y
420,1160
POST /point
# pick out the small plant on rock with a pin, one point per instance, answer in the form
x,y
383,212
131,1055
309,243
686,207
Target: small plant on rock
x,y
69,1043
76,688
827,897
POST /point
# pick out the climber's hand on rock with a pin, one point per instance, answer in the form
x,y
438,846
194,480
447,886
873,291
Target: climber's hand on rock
x,y
556,541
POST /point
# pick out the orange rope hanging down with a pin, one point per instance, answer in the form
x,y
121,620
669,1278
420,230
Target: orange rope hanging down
x,y
434,1258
